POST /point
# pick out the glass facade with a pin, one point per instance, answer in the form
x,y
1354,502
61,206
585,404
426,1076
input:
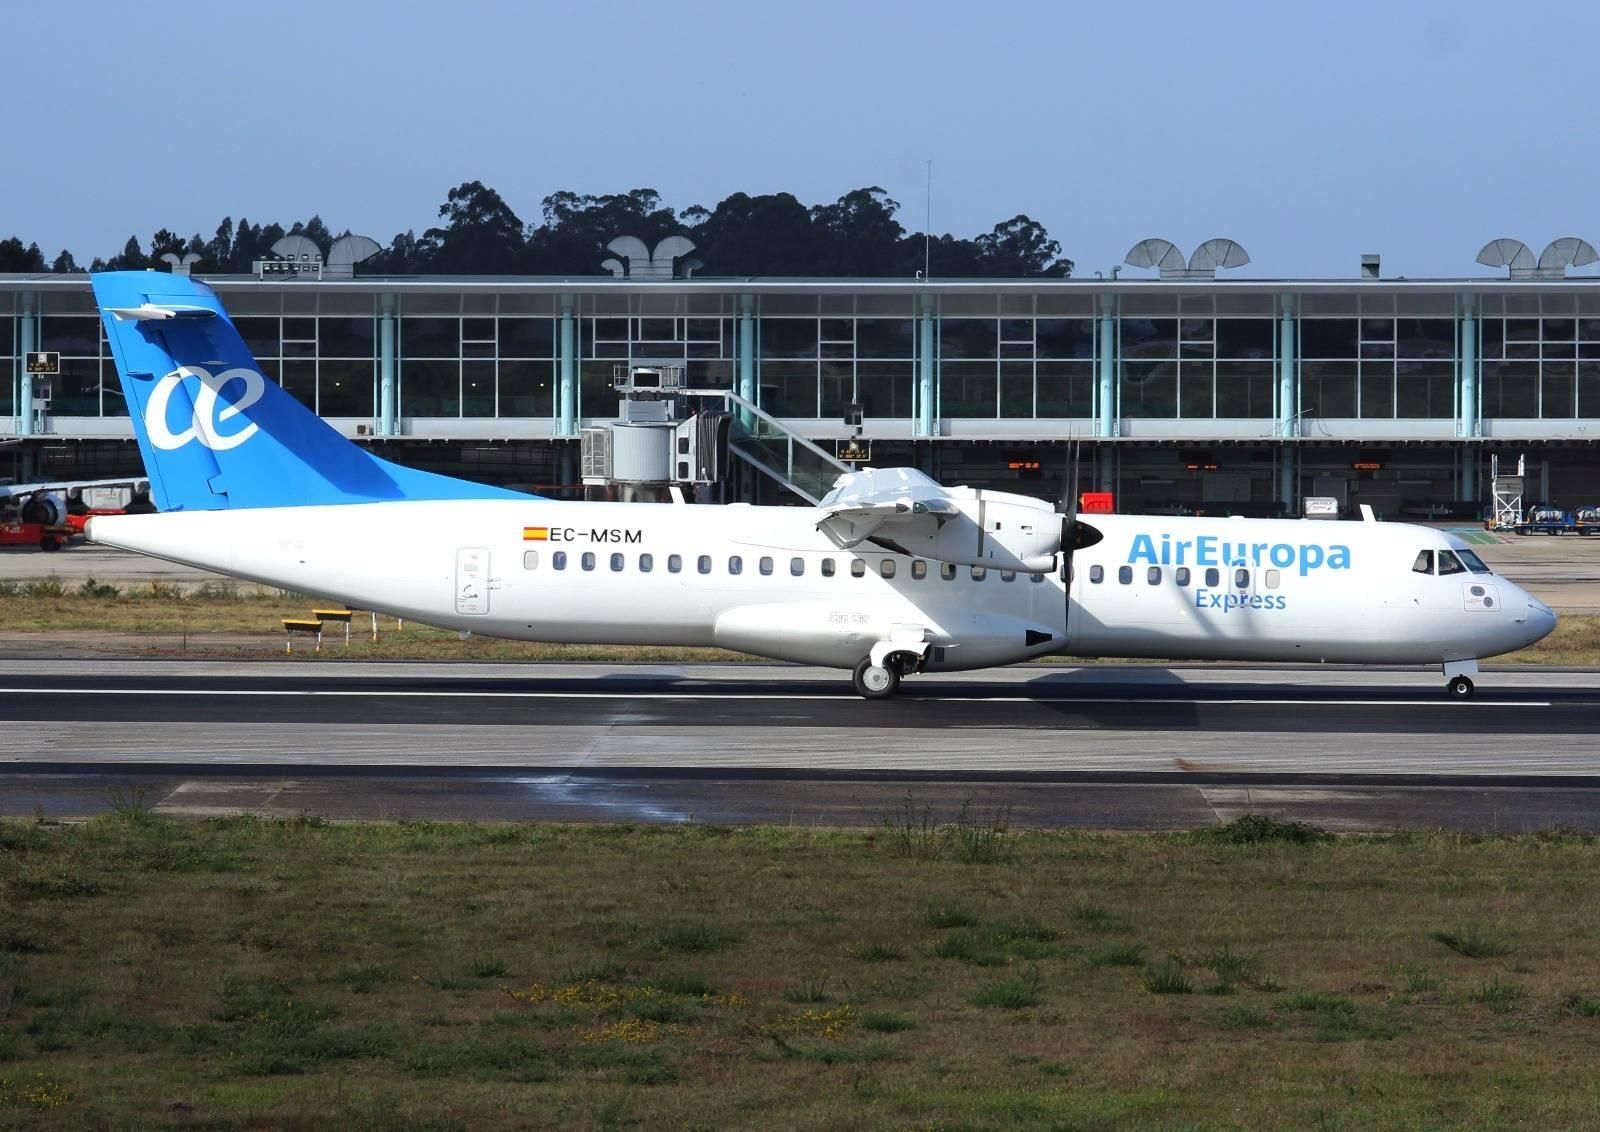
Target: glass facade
x,y
1177,353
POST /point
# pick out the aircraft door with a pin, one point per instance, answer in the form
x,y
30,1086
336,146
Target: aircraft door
x,y
472,580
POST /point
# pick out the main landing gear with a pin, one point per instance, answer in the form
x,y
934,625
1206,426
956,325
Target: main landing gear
x,y
876,681
878,675
1458,676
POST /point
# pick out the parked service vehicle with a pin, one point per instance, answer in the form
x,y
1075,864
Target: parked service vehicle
x,y
1546,518
1587,520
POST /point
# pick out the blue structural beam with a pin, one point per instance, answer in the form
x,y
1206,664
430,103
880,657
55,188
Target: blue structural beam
x,y
567,377
26,344
1288,406
927,370
747,347
1468,424
1105,348
388,420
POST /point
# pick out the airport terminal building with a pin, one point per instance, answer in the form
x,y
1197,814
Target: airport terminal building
x,y
1188,392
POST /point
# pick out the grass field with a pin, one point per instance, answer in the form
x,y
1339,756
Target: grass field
x,y
940,972
46,605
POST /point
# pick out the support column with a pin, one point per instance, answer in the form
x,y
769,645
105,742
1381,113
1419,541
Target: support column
x,y
747,347
1467,473
26,343
1469,425
567,378
1105,345
927,370
387,418
1288,408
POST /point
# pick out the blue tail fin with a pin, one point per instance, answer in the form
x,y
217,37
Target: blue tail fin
x,y
214,432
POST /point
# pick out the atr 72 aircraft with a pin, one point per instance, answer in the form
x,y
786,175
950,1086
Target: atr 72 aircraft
x,y
889,575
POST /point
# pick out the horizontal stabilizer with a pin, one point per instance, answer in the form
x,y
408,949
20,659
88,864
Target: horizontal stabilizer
x,y
148,312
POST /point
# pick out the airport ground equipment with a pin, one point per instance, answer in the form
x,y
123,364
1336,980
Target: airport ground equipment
x,y
1587,520
669,435
305,627
1505,506
1546,519
338,615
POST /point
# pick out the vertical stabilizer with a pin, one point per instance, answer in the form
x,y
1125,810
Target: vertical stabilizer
x,y
216,433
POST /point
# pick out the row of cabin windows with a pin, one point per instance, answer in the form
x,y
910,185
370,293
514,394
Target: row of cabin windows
x,y
588,560
1182,576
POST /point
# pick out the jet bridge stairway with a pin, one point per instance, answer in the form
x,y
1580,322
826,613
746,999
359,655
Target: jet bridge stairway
x,y
765,444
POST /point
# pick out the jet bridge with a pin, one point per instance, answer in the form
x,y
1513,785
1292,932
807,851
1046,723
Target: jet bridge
x,y
669,435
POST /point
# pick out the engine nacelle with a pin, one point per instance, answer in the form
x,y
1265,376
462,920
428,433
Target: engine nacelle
x,y
994,529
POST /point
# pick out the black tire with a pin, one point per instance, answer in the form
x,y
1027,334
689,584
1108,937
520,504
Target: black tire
x,y
49,542
875,682
1459,688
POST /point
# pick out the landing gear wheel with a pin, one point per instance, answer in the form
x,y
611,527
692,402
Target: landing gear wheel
x,y
1459,688
876,681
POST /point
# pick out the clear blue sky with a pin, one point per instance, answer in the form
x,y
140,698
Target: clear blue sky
x,y
1308,132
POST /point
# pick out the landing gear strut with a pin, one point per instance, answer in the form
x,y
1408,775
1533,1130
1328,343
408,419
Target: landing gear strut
x,y
1458,676
877,681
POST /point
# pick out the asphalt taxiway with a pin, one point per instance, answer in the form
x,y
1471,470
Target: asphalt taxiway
x,y
1100,745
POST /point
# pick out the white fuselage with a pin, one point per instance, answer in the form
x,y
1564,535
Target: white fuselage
x,y
765,580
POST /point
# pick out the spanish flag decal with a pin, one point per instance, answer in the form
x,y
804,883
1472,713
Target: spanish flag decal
x,y
535,534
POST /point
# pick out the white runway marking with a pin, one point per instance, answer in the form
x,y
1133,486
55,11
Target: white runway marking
x,y
377,693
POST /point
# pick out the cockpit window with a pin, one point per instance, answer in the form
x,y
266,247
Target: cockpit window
x,y
1449,563
1424,562
1474,563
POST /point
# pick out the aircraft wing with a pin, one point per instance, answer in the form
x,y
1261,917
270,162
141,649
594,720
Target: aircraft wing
x,y
888,501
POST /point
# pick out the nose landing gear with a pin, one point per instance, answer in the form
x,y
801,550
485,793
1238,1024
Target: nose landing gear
x,y
1458,676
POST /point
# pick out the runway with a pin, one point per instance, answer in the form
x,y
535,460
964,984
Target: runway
x,y
1102,745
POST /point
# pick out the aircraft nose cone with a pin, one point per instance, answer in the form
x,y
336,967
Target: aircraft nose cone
x,y
1541,620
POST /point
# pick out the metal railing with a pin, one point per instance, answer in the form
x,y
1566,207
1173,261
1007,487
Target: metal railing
x,y
764,443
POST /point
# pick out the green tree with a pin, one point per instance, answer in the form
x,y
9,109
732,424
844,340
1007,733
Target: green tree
x,y
481,234
15,257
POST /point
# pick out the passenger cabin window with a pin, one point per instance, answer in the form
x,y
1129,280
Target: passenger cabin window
x,y
530,559
735,564
558,560
947,571
704,564
919,569
1273,578
1035,577
616,563
1424,562
886,567
1097,574
674,563
1213,576
1450,564
858,568
647,563
1241,579
1125,575
797,566
1008,575
765,564
1181,575
827,567
1153,575
979,573
588,560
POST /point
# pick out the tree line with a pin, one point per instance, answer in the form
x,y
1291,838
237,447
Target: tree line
x,y
478,233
